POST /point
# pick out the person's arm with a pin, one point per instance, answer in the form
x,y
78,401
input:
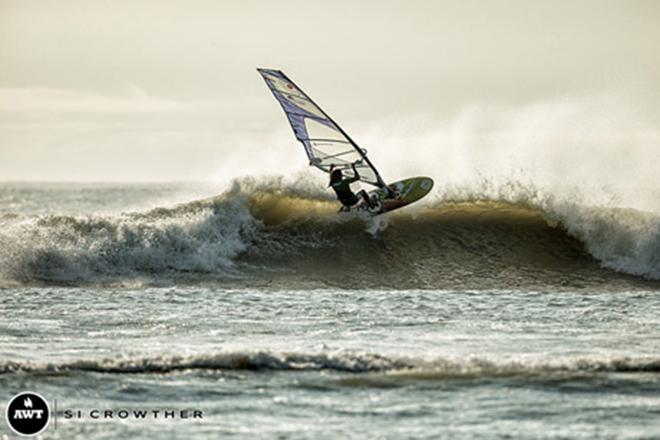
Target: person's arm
x,y
356,176
332,167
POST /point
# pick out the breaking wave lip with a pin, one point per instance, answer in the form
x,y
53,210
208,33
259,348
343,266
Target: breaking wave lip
x,y
345,362
462,235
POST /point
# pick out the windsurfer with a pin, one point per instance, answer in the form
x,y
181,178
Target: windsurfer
x,y
342,186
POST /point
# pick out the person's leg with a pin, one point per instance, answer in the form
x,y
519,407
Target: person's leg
x,y
366,198
348,203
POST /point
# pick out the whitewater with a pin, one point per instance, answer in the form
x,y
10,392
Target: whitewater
x,y
486,311
289,233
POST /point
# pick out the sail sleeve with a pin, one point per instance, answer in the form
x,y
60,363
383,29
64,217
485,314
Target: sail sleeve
x,y
326,144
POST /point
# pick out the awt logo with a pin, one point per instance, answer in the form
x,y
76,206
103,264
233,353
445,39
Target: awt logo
x,y
28,413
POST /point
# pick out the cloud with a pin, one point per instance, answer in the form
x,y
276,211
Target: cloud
x,y
62,101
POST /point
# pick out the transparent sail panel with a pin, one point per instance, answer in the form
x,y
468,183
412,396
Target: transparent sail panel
x,y
324,142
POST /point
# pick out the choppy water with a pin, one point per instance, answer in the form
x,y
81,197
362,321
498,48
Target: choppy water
x,y
261,308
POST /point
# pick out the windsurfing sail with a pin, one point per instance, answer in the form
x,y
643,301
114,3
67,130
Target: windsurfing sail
x,y
326,144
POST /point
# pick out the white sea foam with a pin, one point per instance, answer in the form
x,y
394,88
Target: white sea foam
x,y
350,362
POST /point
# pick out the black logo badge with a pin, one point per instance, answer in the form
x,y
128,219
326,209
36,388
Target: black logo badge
x,y
28,413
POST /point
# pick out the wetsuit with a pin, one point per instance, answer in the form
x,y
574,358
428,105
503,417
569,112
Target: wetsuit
x,y
344,193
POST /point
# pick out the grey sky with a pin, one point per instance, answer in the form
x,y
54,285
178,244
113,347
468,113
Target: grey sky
x,y
153,90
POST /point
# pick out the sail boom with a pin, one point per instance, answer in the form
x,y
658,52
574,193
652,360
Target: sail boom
x,y
326,140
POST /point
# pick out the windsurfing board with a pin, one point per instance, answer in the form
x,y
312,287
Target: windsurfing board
x,y
407,191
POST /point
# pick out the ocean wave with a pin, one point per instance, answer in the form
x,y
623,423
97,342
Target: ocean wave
x,y
198,238
348,362
270,231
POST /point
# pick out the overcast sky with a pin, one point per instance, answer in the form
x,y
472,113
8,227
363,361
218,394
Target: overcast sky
x,y
155,90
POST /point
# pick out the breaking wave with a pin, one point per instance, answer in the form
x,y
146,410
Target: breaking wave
x,y
348,362
266,232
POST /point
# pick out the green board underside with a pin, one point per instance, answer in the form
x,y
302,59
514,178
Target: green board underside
x,y
407,190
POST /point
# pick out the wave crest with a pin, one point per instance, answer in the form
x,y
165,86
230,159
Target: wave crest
x,y
289,235
348,362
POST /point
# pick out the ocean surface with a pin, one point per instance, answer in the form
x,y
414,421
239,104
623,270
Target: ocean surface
x,y
470,315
